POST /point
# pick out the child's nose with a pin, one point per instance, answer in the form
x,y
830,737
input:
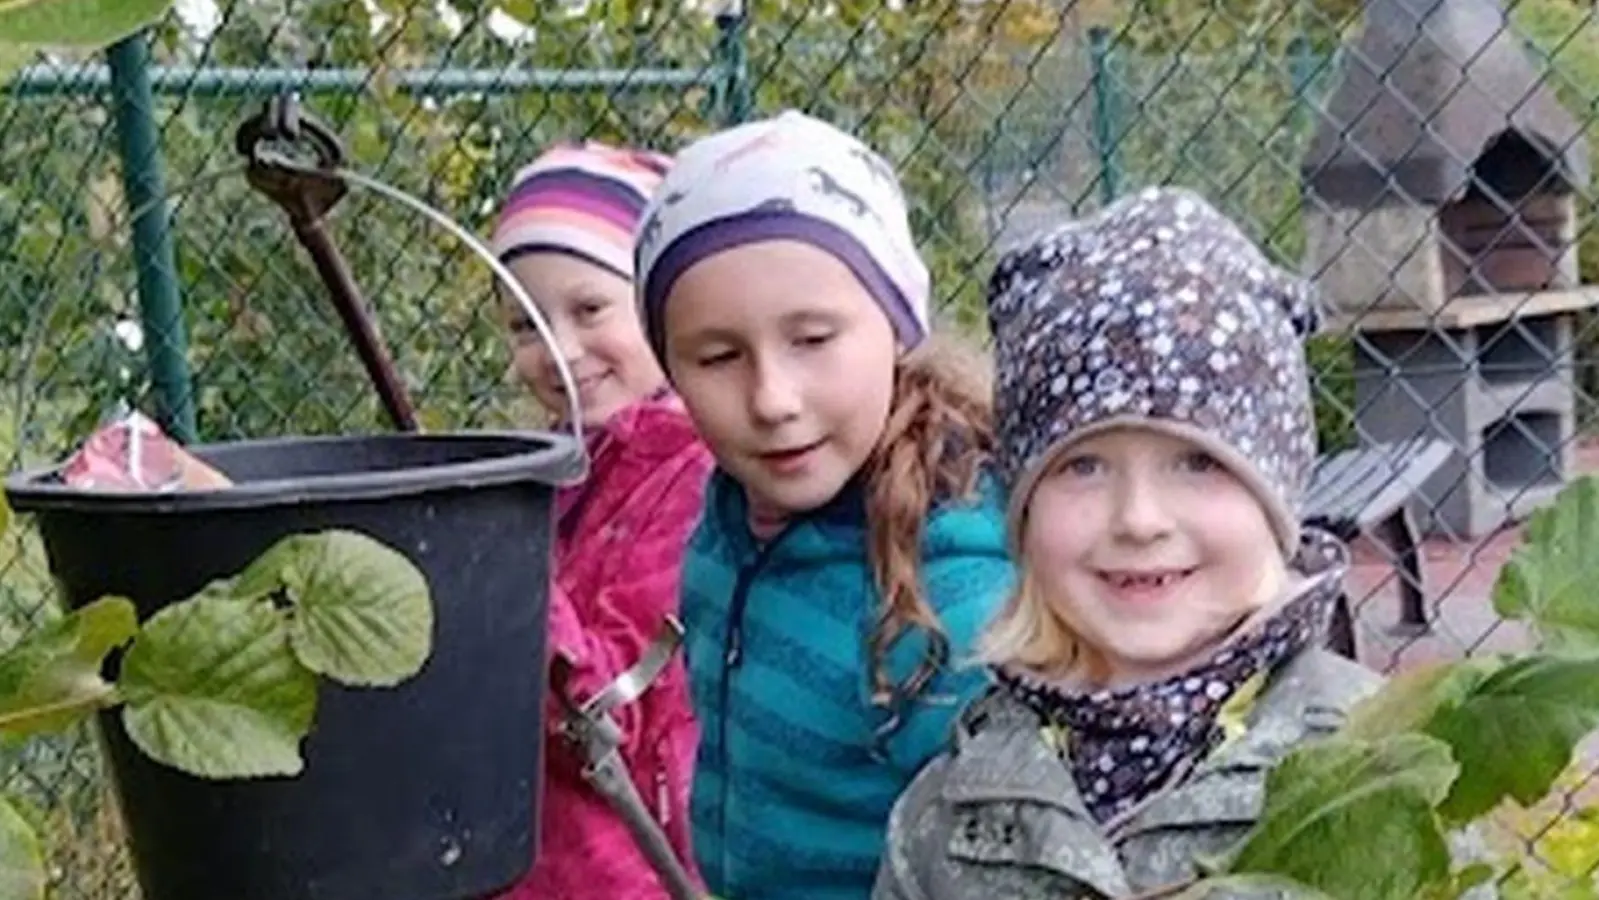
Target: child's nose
x,y
1141,513
566,344
774,396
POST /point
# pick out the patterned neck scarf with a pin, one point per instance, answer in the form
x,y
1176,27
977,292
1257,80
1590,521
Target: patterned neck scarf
x,y
1126,744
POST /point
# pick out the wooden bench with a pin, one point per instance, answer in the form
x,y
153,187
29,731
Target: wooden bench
x,y
1368,491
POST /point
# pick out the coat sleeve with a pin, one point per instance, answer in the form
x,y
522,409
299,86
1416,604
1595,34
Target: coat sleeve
x,y
916,836
965,589
596,634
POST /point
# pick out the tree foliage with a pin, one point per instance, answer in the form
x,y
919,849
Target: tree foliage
x,y
921,83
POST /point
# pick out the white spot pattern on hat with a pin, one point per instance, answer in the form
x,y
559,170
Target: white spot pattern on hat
x,y
1159,307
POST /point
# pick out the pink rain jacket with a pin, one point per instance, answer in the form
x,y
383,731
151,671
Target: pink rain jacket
x,y
619,543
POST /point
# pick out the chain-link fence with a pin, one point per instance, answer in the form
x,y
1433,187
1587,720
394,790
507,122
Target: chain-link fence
x,y
1450,229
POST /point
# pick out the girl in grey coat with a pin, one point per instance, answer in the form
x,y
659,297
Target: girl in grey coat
x,y
1161,651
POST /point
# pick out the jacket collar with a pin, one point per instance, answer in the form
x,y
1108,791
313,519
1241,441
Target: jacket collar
x,y
837,530
1004,752
1014,802
630,442
728,506
656,427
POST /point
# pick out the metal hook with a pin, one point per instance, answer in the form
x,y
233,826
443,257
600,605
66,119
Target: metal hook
x,y
307,188
283,123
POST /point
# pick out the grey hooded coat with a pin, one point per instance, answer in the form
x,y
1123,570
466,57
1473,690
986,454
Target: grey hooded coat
x,y
1000,816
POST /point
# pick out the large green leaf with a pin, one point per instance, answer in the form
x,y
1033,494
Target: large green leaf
x,y
22,871
1552,579
362,614
1411,700
1354,818
1514,733
213,688
5,508
51,678
78,23
1512,725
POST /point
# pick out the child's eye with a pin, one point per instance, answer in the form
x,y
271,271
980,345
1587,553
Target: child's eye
x,y
814,340
523,330
587,310
1081,466
717,358
1200,463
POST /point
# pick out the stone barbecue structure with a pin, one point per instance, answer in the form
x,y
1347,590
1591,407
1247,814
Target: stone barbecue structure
x,y
1440,215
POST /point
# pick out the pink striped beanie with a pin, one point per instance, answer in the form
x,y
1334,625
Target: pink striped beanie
x,y
583,199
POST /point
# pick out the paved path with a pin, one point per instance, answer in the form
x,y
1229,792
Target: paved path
x,y
1460,576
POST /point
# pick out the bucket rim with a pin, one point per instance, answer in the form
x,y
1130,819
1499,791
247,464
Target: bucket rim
x,y
559,455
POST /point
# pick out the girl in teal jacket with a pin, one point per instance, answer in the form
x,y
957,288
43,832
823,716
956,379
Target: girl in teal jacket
x,y
853,541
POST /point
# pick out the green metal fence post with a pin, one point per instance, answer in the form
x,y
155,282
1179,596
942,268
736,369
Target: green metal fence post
x,y
1302,72
143,185
733,64
1099,51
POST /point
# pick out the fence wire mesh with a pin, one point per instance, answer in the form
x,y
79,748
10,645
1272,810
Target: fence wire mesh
x,y
1457,315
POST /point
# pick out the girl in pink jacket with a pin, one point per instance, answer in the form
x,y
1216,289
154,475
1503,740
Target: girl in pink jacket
x,y
566,232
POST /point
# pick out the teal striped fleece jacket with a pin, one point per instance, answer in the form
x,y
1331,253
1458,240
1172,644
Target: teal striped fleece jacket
x,y
793,786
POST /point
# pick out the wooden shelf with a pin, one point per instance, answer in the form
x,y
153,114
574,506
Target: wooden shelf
x,y
1473,310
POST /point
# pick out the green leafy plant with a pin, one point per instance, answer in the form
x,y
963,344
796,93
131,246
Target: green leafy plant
x,y
1562,836
1369,813
27,26
222,685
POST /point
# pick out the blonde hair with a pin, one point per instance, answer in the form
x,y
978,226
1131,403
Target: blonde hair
x,y
938,436
1027,632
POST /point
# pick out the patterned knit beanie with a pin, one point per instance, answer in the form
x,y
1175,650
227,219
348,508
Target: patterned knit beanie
x,y
1157,311
790,177
583,199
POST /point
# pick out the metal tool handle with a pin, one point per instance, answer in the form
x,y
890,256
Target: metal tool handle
x,y
282,118
588,726
610,778
631,684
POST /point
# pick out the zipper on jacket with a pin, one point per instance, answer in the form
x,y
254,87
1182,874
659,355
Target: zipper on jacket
x,y
663,795
732,657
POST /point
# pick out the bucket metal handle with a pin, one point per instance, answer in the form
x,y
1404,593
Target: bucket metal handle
x,y
330,174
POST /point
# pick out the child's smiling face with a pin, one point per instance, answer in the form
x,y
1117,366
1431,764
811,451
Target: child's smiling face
x,y
1149,550
598,333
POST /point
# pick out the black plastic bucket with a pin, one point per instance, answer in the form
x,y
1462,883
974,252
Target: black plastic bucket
x,y
422,792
